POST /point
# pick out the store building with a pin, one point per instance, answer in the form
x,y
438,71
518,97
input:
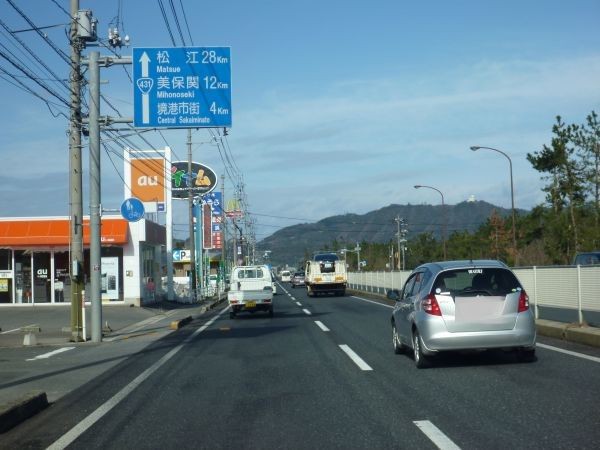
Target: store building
x,y
35,260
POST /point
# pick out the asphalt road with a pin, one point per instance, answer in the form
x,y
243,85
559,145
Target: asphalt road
x,y
290,382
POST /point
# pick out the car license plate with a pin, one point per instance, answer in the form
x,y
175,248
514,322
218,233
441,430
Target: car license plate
x,y
250,304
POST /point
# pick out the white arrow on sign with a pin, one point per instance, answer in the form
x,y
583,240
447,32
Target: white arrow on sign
x,y
144,59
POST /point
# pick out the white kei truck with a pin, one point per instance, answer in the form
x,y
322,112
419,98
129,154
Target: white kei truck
x,y
325,273
251,290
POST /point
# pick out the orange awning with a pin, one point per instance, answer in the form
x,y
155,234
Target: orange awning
x,y
55,232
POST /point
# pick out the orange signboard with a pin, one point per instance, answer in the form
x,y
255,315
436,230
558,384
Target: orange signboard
x,y
148,179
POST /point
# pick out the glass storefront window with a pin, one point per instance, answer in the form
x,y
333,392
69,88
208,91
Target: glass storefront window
x,y
41,277
6,276
23,276
62,281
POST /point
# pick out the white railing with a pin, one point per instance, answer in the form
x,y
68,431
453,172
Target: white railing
x,y
575,288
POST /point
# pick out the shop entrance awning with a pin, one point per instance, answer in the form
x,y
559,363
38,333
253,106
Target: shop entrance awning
x,y
35,232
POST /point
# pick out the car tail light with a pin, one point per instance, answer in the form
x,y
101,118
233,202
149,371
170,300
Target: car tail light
x,y
523,301
233,302
431,306
268,288
267,301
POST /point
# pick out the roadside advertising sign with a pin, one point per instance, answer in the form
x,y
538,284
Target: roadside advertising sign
x,y
202,180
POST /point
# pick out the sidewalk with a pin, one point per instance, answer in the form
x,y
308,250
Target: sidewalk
x,y
33,376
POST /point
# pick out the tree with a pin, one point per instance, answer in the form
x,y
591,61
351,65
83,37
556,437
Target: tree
x,y
587,138
566,185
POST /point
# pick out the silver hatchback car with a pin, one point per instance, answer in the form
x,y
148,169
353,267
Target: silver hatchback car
x,y
462,305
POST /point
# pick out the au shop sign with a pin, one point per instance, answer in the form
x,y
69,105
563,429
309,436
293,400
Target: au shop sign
x,y
201,180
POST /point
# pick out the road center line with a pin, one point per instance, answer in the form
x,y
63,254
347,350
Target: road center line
x,y
307,312
355,358
298,303
94,417
569,352
321,325
52,353
440,440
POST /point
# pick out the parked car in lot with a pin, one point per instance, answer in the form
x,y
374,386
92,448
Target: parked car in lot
x,y
462,305
297,279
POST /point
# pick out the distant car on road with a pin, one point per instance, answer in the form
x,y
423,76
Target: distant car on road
x,y
286,276
587,258
462,305
297,279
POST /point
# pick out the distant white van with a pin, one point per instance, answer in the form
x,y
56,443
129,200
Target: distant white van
x,y
286,276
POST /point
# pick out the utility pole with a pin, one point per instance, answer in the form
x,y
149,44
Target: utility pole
x,y
191,219
75,178
357,249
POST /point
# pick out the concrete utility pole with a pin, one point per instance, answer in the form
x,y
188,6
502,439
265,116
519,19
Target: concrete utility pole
x,y
75,179
193,284
95,295
95,199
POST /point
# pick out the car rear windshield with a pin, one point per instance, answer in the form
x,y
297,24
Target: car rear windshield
x,y
250,273
326,257
473,281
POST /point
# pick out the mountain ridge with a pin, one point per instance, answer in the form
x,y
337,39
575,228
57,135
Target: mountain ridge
x,y
290,244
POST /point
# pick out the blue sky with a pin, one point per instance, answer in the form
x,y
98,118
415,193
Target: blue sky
x,y
338,106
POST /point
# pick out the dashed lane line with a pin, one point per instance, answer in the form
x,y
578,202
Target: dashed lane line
x,y
436,436
298,303
307,312
355,358
321,325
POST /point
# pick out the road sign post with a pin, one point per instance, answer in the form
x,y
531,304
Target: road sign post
x,y
183,87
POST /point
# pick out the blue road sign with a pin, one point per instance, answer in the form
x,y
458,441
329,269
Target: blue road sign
x,y
182,87
132,209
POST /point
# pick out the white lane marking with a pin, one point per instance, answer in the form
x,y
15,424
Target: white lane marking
x,y
321,325
94,417
355,358
298,303
293,298
307,312
371,301
18,329
569,352
52,353
440,440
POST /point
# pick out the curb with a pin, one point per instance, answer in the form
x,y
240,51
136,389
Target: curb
x,y
16,412
177,324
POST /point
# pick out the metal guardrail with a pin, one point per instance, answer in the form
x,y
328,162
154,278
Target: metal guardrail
x,y
564,287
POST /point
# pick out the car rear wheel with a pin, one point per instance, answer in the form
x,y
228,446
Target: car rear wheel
x,y
421,360
398,346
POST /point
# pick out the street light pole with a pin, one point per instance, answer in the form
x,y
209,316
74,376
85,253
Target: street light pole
x,y
512,197
418,186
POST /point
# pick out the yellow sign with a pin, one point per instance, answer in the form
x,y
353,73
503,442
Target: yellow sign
x,y
3,285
